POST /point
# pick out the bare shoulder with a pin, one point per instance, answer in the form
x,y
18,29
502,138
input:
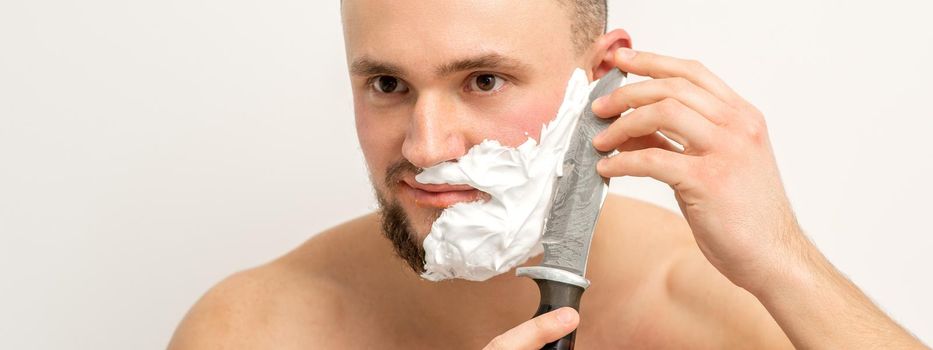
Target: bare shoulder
x,y
683,286
647,233
697,291
291,302
255,309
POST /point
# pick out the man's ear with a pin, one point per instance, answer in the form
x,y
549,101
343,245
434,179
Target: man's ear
x,y
603,50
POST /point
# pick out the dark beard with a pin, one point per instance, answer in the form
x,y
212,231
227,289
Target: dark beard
x,y
395,224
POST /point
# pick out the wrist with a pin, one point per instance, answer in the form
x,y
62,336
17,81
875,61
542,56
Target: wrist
x,y
818,307
794,266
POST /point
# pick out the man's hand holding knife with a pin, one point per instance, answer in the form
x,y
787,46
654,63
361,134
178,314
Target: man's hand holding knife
x,y
726,181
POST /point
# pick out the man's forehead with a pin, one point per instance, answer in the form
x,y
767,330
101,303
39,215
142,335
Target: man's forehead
x,y
448,35
442,9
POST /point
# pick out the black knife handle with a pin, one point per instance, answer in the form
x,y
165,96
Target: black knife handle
x,y
555,295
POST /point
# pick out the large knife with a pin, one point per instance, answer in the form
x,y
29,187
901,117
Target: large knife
x,y
578,197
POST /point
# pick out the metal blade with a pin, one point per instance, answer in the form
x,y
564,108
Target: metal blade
x,y
580,191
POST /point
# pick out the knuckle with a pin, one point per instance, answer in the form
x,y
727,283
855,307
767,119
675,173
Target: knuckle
x,y
729,112
668,107
756,114
756,130
678,84
617,96
651,156
726,114
542,325
753,127
695,66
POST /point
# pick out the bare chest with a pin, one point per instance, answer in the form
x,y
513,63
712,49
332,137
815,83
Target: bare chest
x,y
642,323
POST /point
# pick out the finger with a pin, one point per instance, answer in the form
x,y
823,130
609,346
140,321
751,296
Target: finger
x,y
651,91
658,66
654,140
535,333
669,116
669,167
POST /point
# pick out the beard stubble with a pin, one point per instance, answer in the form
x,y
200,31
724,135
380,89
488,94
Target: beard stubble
x,y
396,225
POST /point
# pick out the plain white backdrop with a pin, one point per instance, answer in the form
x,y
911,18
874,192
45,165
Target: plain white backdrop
x,y
150,148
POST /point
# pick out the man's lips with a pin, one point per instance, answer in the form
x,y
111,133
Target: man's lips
x,y
439,196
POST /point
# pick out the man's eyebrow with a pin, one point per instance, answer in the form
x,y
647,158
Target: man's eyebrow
x,y
368,67
490,60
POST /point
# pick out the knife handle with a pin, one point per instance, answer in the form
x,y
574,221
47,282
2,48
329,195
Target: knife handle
x,y
555,295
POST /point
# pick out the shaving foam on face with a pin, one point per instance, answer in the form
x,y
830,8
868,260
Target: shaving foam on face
x,y
479,240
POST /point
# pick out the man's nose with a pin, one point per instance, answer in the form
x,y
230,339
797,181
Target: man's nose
x,y
435,134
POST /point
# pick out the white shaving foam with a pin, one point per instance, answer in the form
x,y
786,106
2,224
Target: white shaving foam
x,y
479,240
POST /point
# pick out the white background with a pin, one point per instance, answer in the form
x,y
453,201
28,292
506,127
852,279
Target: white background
x,y
148,149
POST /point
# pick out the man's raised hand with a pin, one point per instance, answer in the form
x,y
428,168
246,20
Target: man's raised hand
x,y
727,184
724,177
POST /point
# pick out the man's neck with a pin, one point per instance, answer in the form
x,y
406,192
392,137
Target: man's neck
x,y
500,301
459,306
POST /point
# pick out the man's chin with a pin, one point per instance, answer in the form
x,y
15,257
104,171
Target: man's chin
x,y
406,225
420,219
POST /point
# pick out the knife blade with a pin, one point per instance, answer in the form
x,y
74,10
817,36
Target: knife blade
x,y
576,202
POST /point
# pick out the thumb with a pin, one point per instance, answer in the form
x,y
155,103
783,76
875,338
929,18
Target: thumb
x,y
536,332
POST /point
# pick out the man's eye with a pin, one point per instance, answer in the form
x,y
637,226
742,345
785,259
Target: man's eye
x,y
388,85
486,83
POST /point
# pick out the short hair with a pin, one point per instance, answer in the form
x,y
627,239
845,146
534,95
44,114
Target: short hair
x,y
588,21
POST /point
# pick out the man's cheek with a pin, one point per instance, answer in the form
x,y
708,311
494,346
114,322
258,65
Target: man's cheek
x,y
380,139
521,120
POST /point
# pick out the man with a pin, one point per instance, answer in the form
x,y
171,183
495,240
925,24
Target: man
x,y
433,78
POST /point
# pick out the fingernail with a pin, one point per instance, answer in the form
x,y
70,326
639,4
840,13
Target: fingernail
x,y
625,53
598,137
598,103
565,315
